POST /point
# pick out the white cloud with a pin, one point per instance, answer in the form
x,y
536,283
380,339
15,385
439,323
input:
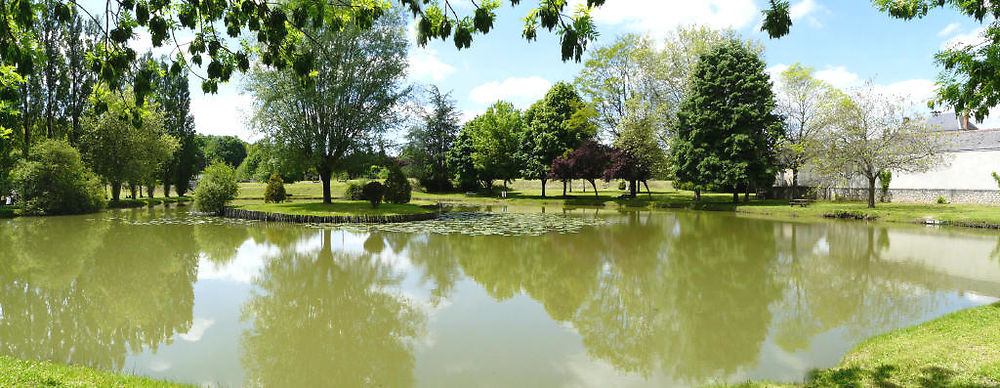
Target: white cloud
x,y
839,77
953,27
425,66
775,72
221,114
660,17
970,38
807,10
198,328
916,91
519,91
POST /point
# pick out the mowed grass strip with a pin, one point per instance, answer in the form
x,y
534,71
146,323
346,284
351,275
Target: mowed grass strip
x,y
25,373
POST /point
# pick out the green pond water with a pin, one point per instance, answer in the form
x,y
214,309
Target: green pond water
x,y
578,297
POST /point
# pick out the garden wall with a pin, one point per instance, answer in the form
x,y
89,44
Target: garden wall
x,y
958,196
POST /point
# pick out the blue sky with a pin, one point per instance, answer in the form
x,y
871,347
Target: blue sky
x,y
847,42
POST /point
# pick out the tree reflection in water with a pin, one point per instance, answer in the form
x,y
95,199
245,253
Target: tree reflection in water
x,y
328,318
90,292
692,296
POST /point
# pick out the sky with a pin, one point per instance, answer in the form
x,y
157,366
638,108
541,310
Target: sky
x,y
847,42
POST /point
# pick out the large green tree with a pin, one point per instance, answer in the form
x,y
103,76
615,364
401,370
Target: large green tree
x,y
554,125
495,135
726,129
120,151
429,141
227,149
636,75
349,99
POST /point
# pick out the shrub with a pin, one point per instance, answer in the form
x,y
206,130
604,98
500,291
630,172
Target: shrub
x,y
373,192
275,191
355,190
397,187
216,187
54,181
377,172
884,178
942,201
622,185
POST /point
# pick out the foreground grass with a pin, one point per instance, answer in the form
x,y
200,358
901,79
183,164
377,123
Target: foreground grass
x,y
337,208
961,349
23,373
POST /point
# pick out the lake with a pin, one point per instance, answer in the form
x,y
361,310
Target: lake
x,y
569,297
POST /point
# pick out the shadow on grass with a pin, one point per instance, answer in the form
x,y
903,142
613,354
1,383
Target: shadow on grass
x,y
885,376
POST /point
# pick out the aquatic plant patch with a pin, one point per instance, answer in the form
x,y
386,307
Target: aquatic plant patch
x,y
484,224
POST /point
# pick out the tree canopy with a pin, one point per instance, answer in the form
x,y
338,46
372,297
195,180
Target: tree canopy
x,y
726,129
217,34
350,99
873,133
557,123
430,139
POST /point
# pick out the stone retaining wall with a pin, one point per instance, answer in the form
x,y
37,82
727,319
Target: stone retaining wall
x,y
969,197
229,212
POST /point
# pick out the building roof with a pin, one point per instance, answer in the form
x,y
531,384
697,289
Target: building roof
x,y
979,140
947,122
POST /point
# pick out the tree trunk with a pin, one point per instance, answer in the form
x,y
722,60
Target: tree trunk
x,y
648,193
150,189
116,191
564,188
324,175
697,194
736,196
795,177
594,183
746,196
543,187
633,187
871,192
166,188
584,186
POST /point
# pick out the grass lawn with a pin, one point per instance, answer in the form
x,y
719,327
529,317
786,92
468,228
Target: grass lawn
x,y
528,193
961,349
23,373
337,208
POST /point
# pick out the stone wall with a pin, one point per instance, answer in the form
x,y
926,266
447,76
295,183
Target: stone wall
x,y
969,197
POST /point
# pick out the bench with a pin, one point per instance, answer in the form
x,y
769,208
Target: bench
x,y
803,202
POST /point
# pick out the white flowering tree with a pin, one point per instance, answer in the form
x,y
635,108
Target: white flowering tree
x,y
872,132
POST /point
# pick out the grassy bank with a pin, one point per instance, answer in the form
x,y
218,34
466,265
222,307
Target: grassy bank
x,y
142,202
957,350
663,195
23,373
337,208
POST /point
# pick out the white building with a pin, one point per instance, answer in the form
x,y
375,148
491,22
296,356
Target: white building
x,y
973,155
